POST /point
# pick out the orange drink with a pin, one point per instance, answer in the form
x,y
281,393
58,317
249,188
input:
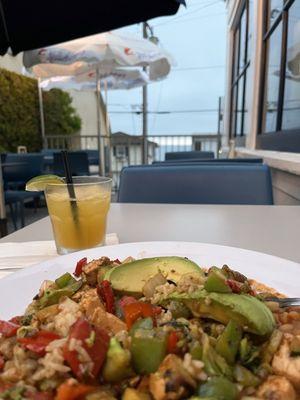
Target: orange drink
x,y
79,222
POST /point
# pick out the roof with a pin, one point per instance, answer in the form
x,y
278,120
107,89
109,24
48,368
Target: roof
x,y
126,139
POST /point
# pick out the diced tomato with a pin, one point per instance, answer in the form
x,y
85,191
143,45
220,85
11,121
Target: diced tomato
x,y
68,391
94,340
5,386
172,342
2,362
106,294
234,285
126,300
39,341
139,309
80,264
8,329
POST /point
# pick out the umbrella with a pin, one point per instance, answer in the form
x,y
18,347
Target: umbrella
x,y
29,24
117,79
106,51
103,53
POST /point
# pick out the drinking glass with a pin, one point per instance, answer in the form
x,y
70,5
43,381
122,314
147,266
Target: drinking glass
x,y
78,212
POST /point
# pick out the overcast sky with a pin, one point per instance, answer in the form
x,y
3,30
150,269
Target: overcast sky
x,y
196,38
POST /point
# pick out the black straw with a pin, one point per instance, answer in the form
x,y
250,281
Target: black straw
x,y
70,186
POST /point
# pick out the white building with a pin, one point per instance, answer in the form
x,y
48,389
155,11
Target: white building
x,y
262,104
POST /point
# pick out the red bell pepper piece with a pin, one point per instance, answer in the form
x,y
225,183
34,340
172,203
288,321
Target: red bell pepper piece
x,y
172,343
2,362
80,264
39,341
8,329
94,340
106,294
139,309
68,391
235,286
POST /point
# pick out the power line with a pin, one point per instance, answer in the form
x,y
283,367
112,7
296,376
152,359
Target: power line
x,y
193,19
203,110
185,14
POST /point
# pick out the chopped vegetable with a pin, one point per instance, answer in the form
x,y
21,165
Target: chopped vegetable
x,y
72,391
139,309
52,296
38,342
229,341
152,283
65,280
94,341
148,349
80,264
8,329
117,363
219,388
172,342
133,394
216,281
106,294
245,377
214,363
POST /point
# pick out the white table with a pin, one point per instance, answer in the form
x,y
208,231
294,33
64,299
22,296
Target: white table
x,y
270,229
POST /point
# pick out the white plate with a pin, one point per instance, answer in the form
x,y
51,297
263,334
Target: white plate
x,y
17,290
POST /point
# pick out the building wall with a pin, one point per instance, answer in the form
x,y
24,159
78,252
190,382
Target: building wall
x,y
285,180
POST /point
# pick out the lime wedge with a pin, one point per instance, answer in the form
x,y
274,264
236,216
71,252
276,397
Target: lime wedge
x,y
39,183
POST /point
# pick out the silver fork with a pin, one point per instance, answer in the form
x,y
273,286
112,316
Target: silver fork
x,y
285,302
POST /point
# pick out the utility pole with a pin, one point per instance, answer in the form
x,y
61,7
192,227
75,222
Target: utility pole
x,y
145,109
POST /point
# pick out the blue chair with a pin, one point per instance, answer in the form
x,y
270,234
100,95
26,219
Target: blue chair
x,y
93,156
197,184
26,166
212,160
16,200
178,155
79,163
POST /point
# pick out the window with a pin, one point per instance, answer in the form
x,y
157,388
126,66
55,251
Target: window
x,y
240,70
120,151
280,101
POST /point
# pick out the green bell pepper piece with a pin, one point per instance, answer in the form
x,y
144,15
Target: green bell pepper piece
x,y
117,363
214,363
145,323
52,296
219,388
229,341
216,282
196,351
65,280
148,349
245,377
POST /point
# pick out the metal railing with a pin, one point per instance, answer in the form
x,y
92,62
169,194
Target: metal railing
x,y
123,150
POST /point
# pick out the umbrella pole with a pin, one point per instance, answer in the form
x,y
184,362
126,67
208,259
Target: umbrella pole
x,y
42,116
100,139
3,221
107,129
145,110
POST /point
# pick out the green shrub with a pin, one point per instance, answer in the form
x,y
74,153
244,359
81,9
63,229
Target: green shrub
x,y
20,116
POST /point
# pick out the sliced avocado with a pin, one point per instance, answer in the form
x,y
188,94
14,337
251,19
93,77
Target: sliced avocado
x,y
216,282
131,277
249,312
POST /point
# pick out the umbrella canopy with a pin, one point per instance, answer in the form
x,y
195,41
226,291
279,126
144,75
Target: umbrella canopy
x,y
117,79
106,51
29,24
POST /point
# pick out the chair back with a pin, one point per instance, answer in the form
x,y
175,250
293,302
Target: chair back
x,y
197,184
26,166
79,163
178,155
93,156
210,160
